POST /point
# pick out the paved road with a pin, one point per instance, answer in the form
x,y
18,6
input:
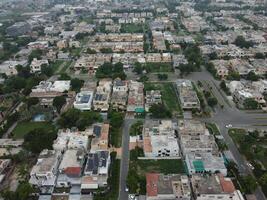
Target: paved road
x,y
123,195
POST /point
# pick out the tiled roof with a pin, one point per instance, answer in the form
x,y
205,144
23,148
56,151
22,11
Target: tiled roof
x,y
152,184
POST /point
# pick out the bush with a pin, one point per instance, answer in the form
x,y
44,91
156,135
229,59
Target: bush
x,y
76,118
109,70
160,111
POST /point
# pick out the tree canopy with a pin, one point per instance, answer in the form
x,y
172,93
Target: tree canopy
x,y
75,118
58,102
38,139
109,70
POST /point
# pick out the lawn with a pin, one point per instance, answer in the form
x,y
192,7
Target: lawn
x,y
56,65
65,67
168,95
167,166
23,128
132,28
158,67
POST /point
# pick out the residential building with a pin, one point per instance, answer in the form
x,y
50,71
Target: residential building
x,y
19,28
159,139
100,133
136,97
96,170
187,95
83,100
44,172
120,94
46,91
36,65
214,186
205,163
70,168
152,97
9,67
170,186
195,138
102,95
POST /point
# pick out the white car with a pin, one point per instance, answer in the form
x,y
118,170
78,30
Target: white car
x,y
126,189
251,166
229,126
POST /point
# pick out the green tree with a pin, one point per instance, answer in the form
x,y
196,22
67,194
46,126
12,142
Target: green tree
x,y
242,43
251,104
162,77
252,76
106,50
159,111
38,139
90,51
233,76
69,118
212,101
76,84
36,53
32,101
259,55
138,68
250,183
64,77
58,102
47,70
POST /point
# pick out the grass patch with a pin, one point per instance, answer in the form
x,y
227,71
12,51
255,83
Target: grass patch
x,y
237,134
56,65
131,28
167,166
158,67
65,67
23,128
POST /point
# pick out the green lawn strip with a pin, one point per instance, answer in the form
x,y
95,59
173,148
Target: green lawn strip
x,y
212,127
170,98
23,128
56,65
65,67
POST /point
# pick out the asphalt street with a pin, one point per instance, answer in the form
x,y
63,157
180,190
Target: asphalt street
x,y
123,194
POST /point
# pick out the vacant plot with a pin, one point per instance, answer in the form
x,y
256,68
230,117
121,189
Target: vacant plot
x,y
131,28
159,67
168,95
160,166
23,128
